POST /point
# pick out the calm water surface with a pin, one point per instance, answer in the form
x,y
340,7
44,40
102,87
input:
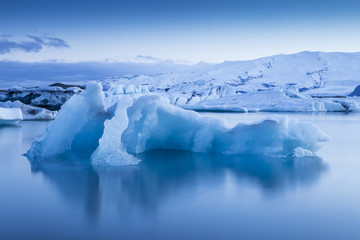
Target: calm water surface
x,y
181,195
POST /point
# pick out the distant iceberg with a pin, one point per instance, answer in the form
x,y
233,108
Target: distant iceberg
x,y
270,101
112,131
30,112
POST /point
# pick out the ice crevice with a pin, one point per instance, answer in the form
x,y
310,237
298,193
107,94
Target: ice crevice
x,y
112,131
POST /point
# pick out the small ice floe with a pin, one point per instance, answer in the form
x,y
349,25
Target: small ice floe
x,y
10,116
300,152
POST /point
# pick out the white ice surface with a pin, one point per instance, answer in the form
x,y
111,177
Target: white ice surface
x,y
271,101
111,150
301,152
10,116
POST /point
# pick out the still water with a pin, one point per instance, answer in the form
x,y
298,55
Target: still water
x,y
182,195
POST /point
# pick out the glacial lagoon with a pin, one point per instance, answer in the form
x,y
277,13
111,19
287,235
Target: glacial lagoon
x,y
184,195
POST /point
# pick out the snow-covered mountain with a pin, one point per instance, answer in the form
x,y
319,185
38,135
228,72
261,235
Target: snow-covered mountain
x,y
316,73
305,81
236,85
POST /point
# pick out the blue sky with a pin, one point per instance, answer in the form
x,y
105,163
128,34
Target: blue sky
x,y
184,31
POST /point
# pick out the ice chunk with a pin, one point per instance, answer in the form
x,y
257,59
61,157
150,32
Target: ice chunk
x,y
117,89
144,89
10,116
77,128
301,152
30,112
111,150
181,101
130,89
140,123
351,104
227,91
155,124
194,100
294,93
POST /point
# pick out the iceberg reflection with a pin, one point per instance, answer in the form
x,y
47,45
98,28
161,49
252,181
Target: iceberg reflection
x,y
163,173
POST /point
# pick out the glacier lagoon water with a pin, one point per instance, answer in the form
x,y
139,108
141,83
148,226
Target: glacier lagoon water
x,y
182,195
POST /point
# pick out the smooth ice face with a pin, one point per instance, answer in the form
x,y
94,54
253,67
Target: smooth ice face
x,y
10,116
135,124
155,124
111,150
77,128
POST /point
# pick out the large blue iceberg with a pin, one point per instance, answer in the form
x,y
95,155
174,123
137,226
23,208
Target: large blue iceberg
x,y
112,130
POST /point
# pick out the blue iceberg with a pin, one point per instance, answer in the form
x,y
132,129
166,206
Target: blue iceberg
x,y
114,134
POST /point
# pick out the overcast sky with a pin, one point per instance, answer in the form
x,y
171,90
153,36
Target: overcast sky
x,y
180,30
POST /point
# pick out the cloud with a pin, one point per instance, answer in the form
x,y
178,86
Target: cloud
x,y
141,57
5,35
35,44
151,59
56,42
147,59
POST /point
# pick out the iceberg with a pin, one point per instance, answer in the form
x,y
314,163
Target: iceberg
x,y
114,135
351,104
30,112
45,97
156,124
267,101
10,116
77,128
